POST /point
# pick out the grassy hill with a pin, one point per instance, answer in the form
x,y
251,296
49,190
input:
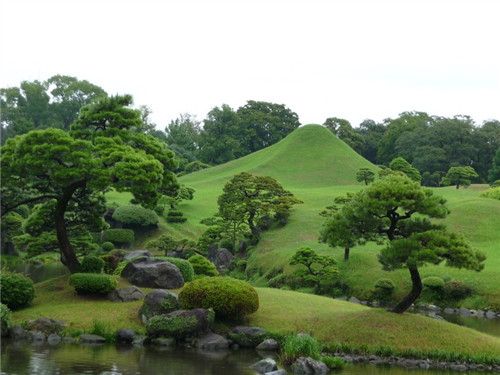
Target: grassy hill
x,y
316,166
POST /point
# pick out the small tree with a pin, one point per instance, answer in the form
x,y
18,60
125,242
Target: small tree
x,y
459,176
365,175
319,268
400,164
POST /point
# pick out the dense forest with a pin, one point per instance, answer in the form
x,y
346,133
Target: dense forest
x,y
431,144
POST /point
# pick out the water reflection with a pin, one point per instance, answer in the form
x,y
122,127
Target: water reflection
x,y
42,272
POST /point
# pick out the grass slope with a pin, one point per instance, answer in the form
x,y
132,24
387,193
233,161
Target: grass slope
x,y
316,166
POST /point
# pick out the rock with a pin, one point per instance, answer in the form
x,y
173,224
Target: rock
x,y
212,341
164,341
87,338
157,302
354,300
137,253
126,294
464,312
277,372
153,273
433,308
53,339
449,310
17,333
490,314
458,367
268,345
265,366
248,337
68,340
125,335
138,340
309,366
36,336
181,324
223,258
45,325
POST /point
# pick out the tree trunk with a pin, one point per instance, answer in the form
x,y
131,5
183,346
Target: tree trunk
x,y
416,289
346,253
68,255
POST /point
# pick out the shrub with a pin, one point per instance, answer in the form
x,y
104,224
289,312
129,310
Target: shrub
x,y
433,283
493,193
383,289
495,184
333,363
301,345
119,268
202,266
92,264
230,298
226,243
110,263
135,216
174,216
107,246
183,265
16,290
456,290
92,284
4,320
120,236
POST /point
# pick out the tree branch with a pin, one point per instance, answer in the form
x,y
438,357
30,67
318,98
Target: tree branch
x,y
26,201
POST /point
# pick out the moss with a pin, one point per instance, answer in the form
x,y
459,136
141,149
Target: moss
x,y
176,326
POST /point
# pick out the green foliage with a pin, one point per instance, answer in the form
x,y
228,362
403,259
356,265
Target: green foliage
x,y
343,129
110,263
11,226
401,165
176,326
494,172
102,329
383,289
333,363
5,321
202,266
107,246
16,290
495,184
459,176
365,175
91,264
119,268
299,345
195,166
119,236
184,266
135,216
433,283
230,298
456,290
92,284
493,193
174,216
167,244
320,269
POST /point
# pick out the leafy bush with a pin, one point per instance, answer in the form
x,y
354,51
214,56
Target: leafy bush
x,y
202,266
230,298
433,283
92,284
4,319
301,345
333,363
495,184
110,263
383,289
16,290
92,264
174,216
456,290
107,246
226,243
119,236
493,193
183,265
119,268
135,216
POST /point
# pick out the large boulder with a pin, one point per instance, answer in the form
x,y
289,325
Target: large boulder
x,y
153,273
223,258
126,294
212,341
309,366
248,337
181,324
157,302
265,366
45,325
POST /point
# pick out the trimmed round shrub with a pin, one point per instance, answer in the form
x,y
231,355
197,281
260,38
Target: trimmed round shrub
x,y
16,290
383,289
92,264
135,216
92,284
119,236
433,283
183,265
174,216
229,298
110,263
456,290
4,319
202,266
107,246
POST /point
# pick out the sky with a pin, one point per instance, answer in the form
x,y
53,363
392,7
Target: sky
x,y
356,59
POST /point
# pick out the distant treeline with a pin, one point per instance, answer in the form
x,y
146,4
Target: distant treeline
x,y
431,144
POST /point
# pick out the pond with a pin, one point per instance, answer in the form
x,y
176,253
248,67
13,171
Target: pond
x,y
74,359
38,273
